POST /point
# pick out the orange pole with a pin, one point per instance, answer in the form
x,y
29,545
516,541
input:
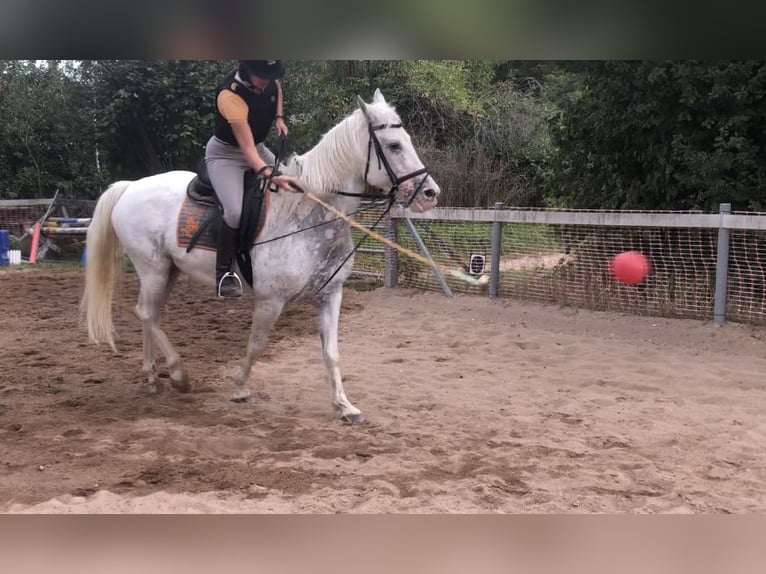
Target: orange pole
x,y
35,243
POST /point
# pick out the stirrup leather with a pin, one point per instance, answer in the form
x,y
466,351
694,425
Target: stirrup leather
x,y
237,280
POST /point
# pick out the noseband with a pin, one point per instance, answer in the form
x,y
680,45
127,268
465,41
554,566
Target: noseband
x,y
383,162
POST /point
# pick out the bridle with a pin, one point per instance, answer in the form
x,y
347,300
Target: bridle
x,y
395,183
395,180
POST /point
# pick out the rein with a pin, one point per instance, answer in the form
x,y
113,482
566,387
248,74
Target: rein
x,y
356,247
283,140
390,197
357,212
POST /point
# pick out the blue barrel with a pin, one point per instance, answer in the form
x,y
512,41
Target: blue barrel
x,y
5,243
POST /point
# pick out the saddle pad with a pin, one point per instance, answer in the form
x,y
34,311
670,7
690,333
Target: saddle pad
x,y
190,217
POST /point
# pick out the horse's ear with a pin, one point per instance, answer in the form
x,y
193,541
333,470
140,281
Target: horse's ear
x,y
378,98
363,107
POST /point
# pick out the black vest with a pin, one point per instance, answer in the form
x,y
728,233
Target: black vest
x,y
261,110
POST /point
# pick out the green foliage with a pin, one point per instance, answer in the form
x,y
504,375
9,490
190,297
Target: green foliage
x,y
431,96
45,142
481,130
622,134
153,116
662,135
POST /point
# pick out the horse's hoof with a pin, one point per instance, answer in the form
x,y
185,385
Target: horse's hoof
x,y
154,388
182,385
353,419
241,397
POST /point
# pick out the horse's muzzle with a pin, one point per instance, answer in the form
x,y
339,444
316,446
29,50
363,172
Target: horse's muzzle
x,y
426,199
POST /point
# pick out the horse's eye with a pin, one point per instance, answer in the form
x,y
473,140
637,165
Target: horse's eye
x,y
395,146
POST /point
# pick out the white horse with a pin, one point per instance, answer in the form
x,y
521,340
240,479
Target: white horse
x,y
139,218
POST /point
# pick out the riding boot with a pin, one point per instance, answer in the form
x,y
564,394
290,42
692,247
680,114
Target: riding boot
x,y
228,285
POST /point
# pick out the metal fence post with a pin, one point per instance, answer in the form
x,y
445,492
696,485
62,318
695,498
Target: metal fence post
x,y
721,268
424,250
390,256
494,268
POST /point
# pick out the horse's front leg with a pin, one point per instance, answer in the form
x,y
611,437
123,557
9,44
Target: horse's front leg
x,y
265,314
329,312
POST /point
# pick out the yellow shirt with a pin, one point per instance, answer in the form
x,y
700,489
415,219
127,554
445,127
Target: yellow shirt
x,y
232,107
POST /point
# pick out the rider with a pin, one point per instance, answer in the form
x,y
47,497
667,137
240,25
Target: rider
x,y
248,102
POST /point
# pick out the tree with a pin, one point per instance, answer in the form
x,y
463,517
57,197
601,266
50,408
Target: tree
x,y
153,116
662,135
44,142
480,125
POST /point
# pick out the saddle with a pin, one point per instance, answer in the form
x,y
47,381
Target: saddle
x,y
200,190
202,204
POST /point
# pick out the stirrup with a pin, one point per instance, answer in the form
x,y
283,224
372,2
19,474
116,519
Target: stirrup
x,y
234,290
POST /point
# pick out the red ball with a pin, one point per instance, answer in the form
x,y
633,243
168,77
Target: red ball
x,y
629,267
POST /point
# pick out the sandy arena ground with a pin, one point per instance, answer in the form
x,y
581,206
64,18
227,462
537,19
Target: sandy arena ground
x,y
473,406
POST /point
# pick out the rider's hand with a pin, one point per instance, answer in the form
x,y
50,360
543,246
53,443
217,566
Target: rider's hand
x,y
286,182
281,127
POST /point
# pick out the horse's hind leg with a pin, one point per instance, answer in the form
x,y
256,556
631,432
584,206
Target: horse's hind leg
x,y
150,350
156,285
329,312
150,302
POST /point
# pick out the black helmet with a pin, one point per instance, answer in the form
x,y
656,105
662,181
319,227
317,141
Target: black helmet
x,y
267,69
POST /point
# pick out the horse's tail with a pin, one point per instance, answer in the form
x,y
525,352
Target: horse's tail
x,y
103,266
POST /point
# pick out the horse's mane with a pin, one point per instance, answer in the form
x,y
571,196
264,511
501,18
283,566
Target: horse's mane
x,y
340,153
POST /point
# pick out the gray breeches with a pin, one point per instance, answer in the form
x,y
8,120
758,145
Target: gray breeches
x,y
226,167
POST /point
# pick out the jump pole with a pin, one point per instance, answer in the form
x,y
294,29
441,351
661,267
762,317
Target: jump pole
x,y
35,243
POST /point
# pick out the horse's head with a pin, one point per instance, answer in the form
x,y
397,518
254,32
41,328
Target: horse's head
x,y
392,162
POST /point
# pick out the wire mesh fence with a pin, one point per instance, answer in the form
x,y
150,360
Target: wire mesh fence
x,y
453,245
746,286
573,269
369,258
17,215
568,263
